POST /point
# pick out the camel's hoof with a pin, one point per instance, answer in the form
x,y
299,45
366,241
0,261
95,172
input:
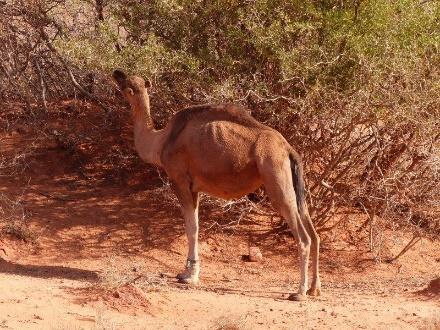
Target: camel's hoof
x,y
297,297
314,292
189,280
191,273
181,276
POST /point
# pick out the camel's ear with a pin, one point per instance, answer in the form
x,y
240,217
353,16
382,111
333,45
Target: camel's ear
x,y
148,83
119,76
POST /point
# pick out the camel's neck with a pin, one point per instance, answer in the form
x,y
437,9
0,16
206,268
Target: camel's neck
x,y
147,141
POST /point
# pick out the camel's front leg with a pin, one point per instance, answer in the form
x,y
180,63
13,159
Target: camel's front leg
x,y
189,204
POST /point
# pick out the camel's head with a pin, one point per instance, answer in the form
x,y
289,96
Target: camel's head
x,y
133,88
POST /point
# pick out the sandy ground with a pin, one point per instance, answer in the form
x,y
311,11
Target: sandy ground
x,y
41,299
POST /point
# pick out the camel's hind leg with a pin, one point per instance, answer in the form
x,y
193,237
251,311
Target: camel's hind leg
x,y
315,287
277,179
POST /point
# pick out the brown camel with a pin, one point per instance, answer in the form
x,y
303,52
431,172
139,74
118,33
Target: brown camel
x,y
223,151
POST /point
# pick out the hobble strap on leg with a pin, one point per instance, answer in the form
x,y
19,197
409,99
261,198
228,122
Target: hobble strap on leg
x,y
191,272
192,263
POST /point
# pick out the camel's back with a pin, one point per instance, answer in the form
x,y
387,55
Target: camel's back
x,y
213,129
210,113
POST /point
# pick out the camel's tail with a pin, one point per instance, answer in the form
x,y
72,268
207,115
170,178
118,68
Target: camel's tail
x,y
298,181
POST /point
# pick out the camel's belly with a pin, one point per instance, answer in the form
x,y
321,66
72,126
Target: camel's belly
x,y
228,186
220,160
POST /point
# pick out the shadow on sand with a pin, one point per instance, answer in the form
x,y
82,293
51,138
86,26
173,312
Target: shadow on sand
x,y
47,272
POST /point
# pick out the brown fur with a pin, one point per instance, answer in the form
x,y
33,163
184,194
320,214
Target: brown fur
x,y
224,112
223,151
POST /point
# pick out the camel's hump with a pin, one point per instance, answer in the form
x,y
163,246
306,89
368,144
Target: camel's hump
x,y
210,113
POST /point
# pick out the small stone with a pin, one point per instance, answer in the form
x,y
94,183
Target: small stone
x,y
255,254
116,294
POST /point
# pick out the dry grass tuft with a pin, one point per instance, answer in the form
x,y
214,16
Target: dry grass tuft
x,y
19,231
13,220
229,322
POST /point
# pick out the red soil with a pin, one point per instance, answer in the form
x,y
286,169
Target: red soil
x,y
109,240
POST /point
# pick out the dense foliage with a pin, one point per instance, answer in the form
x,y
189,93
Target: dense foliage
x,y
353,85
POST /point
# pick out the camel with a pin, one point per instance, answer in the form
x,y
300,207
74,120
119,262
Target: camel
x,y
223,151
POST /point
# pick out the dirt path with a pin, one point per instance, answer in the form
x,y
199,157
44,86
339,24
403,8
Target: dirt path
x,y
37,303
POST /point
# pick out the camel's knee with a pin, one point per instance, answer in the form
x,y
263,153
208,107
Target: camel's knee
x,y
315,240
305,243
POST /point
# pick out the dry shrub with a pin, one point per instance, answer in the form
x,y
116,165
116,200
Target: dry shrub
x,y
32,69
364,114
13,220
383,166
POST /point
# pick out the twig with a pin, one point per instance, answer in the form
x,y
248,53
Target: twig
x,y
265,99
42,84
416,238
58,198
371,221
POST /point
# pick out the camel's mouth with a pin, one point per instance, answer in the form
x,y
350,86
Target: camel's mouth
x,y
120,78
